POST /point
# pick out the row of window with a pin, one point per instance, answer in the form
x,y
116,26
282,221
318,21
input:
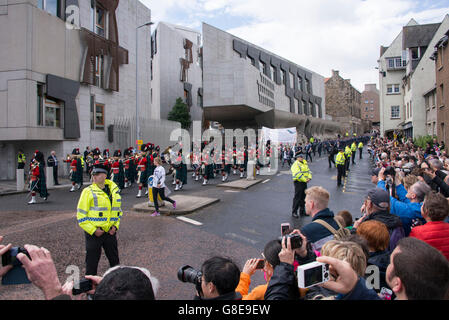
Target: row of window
x,y
99,16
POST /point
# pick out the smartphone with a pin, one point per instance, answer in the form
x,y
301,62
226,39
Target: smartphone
x,y
17,275
84,285
260,264
285,229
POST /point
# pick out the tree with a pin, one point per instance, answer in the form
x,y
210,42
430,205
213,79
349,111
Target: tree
x,y
180,113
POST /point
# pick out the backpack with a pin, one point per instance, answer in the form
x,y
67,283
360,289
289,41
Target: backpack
x,y
340,234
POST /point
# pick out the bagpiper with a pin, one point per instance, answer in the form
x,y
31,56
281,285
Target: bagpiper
x,y
142,178
118,174
76,170
37,177
181,171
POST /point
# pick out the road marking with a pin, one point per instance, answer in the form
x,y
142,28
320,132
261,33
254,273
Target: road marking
x,y
191,221
232,190
266,181
236,236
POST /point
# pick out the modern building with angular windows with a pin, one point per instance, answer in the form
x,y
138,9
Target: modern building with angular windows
x,y
70,75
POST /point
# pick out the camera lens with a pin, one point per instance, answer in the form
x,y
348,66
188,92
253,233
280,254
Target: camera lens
x,y
188,274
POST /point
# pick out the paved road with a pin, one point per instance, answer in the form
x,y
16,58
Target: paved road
x,y
238,226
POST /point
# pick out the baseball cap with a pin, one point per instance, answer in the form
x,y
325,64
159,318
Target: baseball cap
x,y
379,197
375,172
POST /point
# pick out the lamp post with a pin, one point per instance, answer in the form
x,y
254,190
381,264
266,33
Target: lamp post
x,y
137,79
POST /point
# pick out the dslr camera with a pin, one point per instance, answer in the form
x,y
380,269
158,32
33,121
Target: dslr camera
x,y
311,274
188,274
295,240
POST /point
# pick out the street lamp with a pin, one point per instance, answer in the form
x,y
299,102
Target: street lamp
x,y
137,79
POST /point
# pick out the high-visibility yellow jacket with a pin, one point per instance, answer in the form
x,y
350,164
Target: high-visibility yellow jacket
x,y
353,147
300,171
340,159
21,158
360,145
95,209
348,151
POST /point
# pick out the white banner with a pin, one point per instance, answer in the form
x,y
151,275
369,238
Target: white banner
x,y
276,136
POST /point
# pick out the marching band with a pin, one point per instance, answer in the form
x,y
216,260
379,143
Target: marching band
x,y
133,166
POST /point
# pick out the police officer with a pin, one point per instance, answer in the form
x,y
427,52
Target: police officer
x,y
21,160
301,175
360,146
340,163
99,213
348,154
353,150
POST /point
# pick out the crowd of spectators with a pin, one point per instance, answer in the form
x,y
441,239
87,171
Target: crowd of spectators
x,y
397,249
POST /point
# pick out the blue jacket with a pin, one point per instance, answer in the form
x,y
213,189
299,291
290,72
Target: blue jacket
x,y
403,208
360,292
316,233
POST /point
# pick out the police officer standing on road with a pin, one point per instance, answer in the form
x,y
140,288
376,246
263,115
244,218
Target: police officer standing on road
x,y
98,214
301,174
353,150
360,146
21,160
341,165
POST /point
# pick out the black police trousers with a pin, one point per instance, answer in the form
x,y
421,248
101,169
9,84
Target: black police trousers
x,y
341,172
300,195
93,251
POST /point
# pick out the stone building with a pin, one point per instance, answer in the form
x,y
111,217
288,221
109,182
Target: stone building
x,y
343,104
441,58
370,105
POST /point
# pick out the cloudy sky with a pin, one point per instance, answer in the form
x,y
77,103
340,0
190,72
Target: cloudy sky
x,y
321,35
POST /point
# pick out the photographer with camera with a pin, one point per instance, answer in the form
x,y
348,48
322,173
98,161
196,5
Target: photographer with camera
x,y
436,176
417,271
283,284
217,280
377,207
408,207
267,264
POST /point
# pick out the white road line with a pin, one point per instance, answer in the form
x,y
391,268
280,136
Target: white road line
x,y
232,190
266,181
196,223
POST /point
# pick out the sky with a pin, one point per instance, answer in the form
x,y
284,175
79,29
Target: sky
x,y
320,35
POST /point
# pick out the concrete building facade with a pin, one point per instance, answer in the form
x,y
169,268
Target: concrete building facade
x,y
343,104
176,69
68,78
246,86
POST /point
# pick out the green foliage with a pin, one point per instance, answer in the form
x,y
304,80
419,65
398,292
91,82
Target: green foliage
x,y
180,113
421,141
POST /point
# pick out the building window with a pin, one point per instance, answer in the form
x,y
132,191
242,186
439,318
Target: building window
x,y
49,111
52,113
97,117
292,80
99,71
442,95
53,7
307,87
99,19
414,53
395,112
396,63
393,89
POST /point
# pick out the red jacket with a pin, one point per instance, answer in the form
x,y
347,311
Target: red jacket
x,y
435,233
